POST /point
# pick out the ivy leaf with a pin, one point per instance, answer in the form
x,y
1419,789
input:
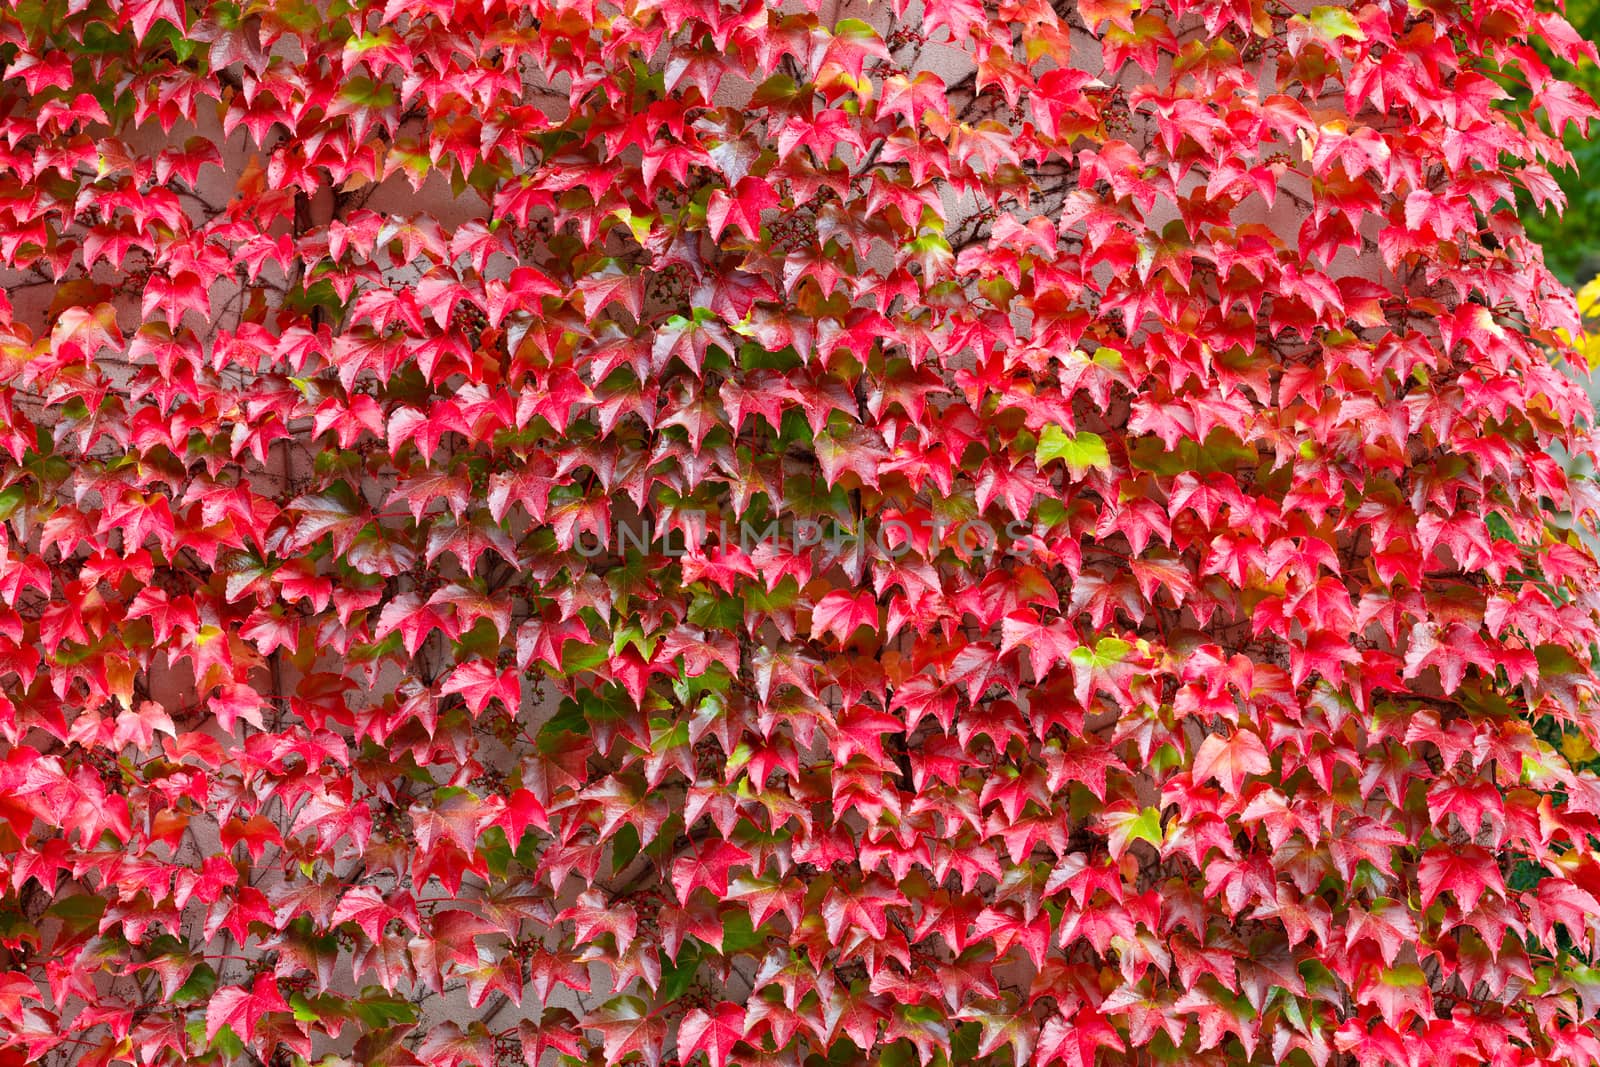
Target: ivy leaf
x,y
1081,452
841,614
1336,22
741,208
1231,759
716,1033
707,867
626,1026
1125,826
1465,872
478,683
241,1010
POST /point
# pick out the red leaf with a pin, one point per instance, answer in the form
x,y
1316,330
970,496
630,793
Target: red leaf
x,y
478,683
1231,759
841,614
241,1010
740,209
707,866
1465,872
714,1034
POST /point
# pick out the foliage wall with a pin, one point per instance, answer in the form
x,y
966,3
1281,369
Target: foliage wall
x,y
969,532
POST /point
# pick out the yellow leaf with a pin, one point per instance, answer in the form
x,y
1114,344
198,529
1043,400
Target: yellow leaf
x,y
1577,749
1589,297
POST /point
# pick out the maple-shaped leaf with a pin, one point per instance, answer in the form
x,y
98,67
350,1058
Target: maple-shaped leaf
x,y
1388,923
766,897
478,683
841,614
1363,840
865,906
914,97
468,541
1231,759
450,1046
1118,12
388,959
1400,993
592,915
707,866
1464,871
849,450
1125,826
1450,652
740,208
140,725
1566,103
627,1025
522,810
1047,645
241,1010
371,910
414,620
1075,1042
541,640
715,1032
1003,1029
234,702
557,1029
335,514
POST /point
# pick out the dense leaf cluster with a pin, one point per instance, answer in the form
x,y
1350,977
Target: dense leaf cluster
x,y
960,531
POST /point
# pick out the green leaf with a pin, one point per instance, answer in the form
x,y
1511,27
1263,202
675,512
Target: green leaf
x,y
78,912
366,93
624,846
778,89
855,30
315,1008
1080,452
1147,827
568,719
577,658
1107,652
1335,22
715,611
201,983
738,935
677,976
1405,976
495,848
11,499
226,1042
376,1008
